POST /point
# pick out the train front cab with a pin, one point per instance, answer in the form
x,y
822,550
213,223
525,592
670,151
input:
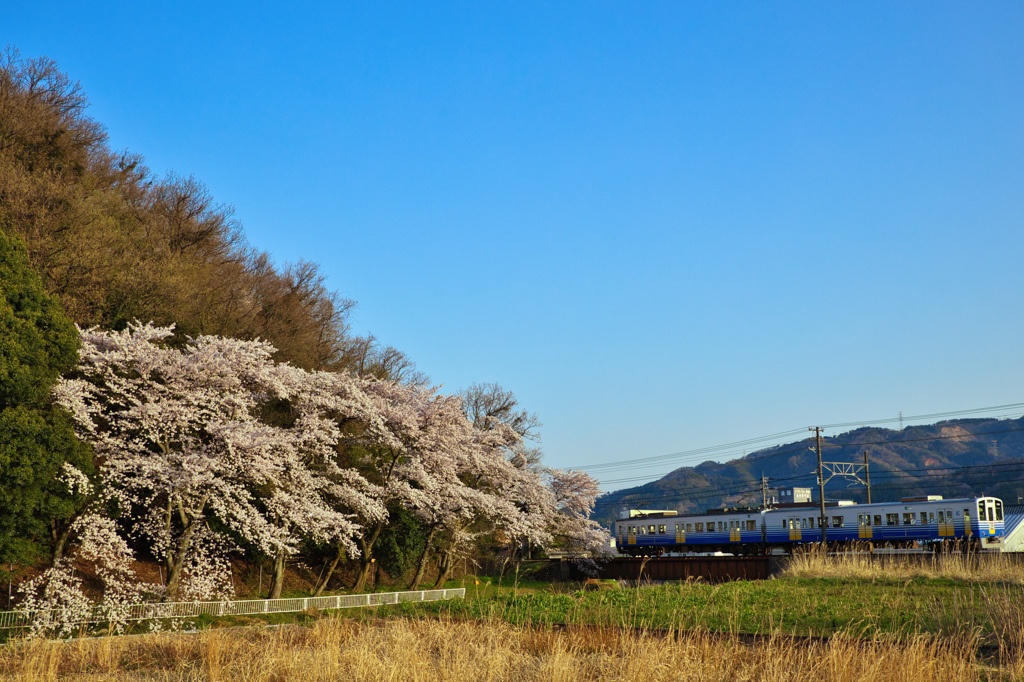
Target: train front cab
x,y
988,525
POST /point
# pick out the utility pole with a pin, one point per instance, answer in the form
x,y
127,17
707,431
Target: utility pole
x,y
764,491
867,476
822,521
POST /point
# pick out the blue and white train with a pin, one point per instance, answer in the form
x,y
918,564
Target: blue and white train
x,y
917,521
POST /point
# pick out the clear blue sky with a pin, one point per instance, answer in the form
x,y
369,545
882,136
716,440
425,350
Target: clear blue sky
x,y
664,225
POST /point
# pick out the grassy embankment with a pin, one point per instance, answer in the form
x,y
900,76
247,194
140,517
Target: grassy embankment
x,y
896,622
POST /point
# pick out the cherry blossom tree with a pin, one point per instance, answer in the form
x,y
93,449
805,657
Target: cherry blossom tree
x,y
575,493
412,453
181,442
459,485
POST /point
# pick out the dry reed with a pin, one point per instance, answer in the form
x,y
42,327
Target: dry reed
x,y
422,650
814,562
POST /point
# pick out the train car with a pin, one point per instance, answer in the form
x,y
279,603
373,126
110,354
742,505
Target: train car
x,y
927,521
737,531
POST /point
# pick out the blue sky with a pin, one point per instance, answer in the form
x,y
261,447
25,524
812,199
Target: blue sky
x,y
663,225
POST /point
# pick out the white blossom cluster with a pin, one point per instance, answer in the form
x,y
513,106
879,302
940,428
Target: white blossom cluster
x,y
189,461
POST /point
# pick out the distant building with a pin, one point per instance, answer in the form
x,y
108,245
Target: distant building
x,y
627,513
794,495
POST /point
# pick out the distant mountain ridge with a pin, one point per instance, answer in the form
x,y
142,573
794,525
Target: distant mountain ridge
x,y
955,458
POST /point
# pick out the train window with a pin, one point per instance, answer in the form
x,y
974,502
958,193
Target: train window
x,y
999,510
837,521
991,513
949,516
650,529
892,519
931,517
908,518
661,528
981,510
942,517
689,528
751,524
878,519
700,526
924,518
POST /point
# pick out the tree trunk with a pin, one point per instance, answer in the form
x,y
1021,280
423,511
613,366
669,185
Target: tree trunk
x,y
446,566
421,569
366,558
60,541
277,583
365,565
322,584
176,558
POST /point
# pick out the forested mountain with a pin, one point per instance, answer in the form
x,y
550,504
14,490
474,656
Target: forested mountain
x,y
950,458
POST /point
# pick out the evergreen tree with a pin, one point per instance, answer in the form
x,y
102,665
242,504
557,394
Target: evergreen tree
x,y
37,344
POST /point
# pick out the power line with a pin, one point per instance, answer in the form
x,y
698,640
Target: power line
x,y
892,477
689,453
718,449
936,415
800,446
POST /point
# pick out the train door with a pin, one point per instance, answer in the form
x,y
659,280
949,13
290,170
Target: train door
x,y
947,526
864,529
795,532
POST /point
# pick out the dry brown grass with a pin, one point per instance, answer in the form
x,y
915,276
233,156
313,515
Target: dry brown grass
x,y
422,650
815,563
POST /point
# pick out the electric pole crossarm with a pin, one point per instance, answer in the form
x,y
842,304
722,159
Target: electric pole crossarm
x,y
844,469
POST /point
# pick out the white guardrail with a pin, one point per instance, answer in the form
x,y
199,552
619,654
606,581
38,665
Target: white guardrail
x,y
250,607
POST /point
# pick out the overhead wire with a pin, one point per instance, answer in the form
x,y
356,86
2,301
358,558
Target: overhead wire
x,y
826,442
896,478
721,450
